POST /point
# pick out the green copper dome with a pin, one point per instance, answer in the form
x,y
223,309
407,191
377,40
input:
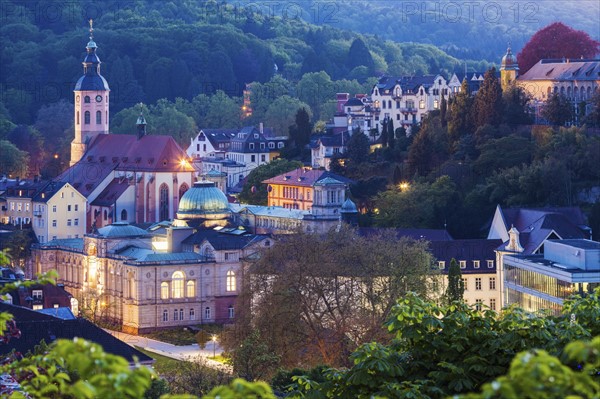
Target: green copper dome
x,y
203,201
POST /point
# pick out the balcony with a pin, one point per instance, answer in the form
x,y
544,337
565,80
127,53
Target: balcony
x,y
408,110
37,214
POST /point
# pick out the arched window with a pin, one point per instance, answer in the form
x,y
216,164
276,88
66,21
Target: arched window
x,y
123,214
177,285
182,189
105,215
86,117
163,207
231,311
231,283
165,315
207,313
190,288
86,99
98,117
164,290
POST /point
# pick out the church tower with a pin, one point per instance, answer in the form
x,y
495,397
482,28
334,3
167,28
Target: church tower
x,y
509,69
91,102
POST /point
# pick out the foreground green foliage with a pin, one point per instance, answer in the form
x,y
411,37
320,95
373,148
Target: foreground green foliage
x,y
453,349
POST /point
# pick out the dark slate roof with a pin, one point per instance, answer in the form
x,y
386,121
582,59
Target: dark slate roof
x,y
305,177
91,83
467,250
111,193
224,239
27,188
353,102
330,140
245,137
415,234
36,326
409,84
216,136
535,225
109,152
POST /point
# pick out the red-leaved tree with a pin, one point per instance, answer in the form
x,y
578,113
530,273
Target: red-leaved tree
x,y
556,40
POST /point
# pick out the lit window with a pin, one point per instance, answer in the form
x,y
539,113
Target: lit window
x,y
436,104
190,289
476,264
164,290
478,283
177,285
463,264
492,283
231,283
422,104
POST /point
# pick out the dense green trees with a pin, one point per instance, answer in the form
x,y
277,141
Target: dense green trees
x,y
456,286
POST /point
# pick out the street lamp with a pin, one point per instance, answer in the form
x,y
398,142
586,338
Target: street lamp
x,y
214,340
404,186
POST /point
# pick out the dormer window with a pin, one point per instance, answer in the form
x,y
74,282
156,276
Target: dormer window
x,y
251,146
86,99
256,135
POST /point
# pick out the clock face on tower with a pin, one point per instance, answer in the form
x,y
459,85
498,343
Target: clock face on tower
x,y
98,99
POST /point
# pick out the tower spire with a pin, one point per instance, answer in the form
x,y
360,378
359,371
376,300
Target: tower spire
x,y
141,123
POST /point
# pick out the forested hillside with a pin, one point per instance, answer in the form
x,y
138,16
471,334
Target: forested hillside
x,y
470,29
154,49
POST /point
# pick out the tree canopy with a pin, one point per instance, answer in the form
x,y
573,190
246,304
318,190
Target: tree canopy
x,y
556,40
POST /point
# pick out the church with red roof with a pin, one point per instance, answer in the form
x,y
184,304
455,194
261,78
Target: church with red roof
x,y
135,178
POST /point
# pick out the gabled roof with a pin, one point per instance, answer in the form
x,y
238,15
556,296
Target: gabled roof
x,y
123,152
305,177
216,136
537,224
331,140
36,326
111,193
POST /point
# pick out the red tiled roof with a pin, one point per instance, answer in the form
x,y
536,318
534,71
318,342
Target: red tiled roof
x,y
111,193
304,177
108,152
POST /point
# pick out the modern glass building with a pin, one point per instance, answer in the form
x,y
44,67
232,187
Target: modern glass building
x,y
544,281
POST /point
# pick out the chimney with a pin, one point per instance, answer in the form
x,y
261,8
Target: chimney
x,y
261,128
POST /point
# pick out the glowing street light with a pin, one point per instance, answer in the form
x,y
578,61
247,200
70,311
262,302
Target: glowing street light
x,y
404,186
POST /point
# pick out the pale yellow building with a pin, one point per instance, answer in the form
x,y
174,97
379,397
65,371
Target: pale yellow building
x,y
58,212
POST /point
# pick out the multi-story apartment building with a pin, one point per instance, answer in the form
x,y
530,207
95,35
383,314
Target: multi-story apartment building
x,y
58,212
407,99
